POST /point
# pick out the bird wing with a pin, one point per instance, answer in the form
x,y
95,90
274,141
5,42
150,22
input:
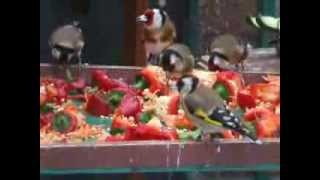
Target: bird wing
x,y
197,100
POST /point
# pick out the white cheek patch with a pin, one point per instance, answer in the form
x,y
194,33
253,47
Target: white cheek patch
x,y
173,59
217,60
70,57
187,85
176,61
55,53
157,19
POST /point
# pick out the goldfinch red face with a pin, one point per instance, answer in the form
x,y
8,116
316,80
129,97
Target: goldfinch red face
x,y
152,18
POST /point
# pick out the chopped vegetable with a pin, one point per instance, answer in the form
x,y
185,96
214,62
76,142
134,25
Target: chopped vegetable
x,y
130,105
174,104
145,132
221,90
121,122
233,82
148,78
64,123
185,134
267,122
245,99
115,98
116,131
145,117
97,106
75,112
140,83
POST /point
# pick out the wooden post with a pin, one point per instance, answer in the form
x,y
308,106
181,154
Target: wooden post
x,y
134,52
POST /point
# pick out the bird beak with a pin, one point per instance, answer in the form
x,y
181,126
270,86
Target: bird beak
x,y
142,19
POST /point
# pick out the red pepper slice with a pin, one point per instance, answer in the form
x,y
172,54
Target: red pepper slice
x,y
145,132
257,113
57,90
266,92
184,123
178,121
233,82
155,85
97,106
174,104
169,134
116,138
245,99
267,122
105,82
102,79
130,105
46,119
51,92
266,128
79,84
119,122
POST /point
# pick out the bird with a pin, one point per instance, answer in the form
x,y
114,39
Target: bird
x,y
177,60
159,32
207,109
66,43
227,48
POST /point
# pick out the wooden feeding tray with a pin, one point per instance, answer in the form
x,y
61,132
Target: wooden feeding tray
x,y
160,156
164,156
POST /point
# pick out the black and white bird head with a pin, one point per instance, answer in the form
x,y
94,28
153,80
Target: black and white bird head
x,y
215,60
153,18
66,43
170,61
187,84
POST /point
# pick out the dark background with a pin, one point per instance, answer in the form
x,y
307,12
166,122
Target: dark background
x,y
197,21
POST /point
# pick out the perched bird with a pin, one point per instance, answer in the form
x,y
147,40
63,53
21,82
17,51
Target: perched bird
x,y
207,110
159,32
66,43
229,49
177,60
